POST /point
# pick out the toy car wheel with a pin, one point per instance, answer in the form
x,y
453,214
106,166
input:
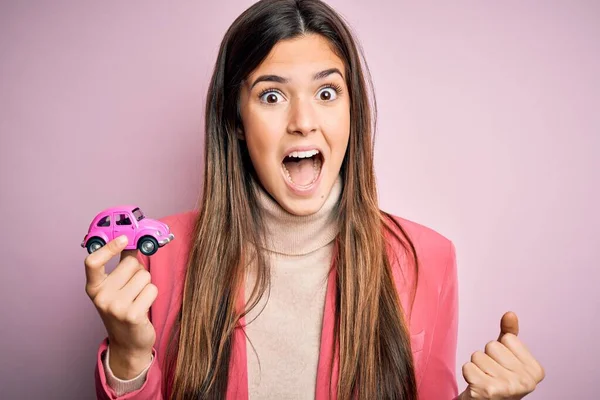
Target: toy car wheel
x,y
148,245
94,244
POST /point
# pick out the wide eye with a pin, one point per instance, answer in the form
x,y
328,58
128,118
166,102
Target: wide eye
x,y
327,94
271,97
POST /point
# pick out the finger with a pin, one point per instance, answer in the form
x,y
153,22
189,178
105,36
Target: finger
x,y
123,272
521,352
509,324
95,263
143,302
488,365
129,253
498,352
474,375
136,284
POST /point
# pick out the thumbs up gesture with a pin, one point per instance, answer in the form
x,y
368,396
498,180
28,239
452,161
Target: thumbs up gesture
x,y
506,370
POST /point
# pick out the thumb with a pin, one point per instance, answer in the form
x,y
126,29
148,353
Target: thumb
x,y
509,324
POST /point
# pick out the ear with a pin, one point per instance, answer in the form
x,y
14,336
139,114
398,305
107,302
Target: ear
x,y
239,132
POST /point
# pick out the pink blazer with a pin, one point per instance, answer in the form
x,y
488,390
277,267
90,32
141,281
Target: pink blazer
x,y
433,323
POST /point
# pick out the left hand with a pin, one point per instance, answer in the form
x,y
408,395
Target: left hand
x,y
506,371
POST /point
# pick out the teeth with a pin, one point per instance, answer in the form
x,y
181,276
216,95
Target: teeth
x,y
303,154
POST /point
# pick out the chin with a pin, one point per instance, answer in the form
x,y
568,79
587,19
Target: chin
x,y
303,207
306,204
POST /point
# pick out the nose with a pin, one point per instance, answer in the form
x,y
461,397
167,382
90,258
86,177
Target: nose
x,y
302,118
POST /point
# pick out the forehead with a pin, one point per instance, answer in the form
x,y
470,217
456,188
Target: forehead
x,y
300,57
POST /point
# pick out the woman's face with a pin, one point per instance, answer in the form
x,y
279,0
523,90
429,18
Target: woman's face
x,y
296,116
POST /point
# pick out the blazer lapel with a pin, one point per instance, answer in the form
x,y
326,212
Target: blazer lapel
x,y
325,375
237,385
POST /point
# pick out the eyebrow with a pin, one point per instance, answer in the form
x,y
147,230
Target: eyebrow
x,y
279,79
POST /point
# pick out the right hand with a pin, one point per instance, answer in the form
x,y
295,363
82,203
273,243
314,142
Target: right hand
x,y
123,299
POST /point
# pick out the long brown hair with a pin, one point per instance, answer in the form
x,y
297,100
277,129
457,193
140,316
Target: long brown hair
x,y
375,360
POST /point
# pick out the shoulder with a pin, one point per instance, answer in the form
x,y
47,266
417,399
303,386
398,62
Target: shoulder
x,y
175,254
182,223
436,261
431,247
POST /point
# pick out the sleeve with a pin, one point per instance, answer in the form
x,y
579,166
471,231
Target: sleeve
x,y
147,386
439,377
121,386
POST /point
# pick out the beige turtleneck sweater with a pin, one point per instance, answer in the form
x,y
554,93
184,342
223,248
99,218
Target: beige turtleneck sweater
x,y
284,329
285,326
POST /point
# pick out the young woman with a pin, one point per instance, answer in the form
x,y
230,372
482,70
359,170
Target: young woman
x,y
289,282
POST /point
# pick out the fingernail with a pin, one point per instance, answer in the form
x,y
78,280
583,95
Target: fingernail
x,y
121,240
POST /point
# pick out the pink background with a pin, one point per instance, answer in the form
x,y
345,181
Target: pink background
x,y
489,133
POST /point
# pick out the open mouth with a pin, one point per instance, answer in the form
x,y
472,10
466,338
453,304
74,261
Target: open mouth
x,y
302,168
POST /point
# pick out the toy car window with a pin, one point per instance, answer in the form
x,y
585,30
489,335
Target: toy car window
x,y
105,221
123,219
138,214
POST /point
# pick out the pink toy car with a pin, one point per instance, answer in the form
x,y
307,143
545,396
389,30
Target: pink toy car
x,y
144,234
